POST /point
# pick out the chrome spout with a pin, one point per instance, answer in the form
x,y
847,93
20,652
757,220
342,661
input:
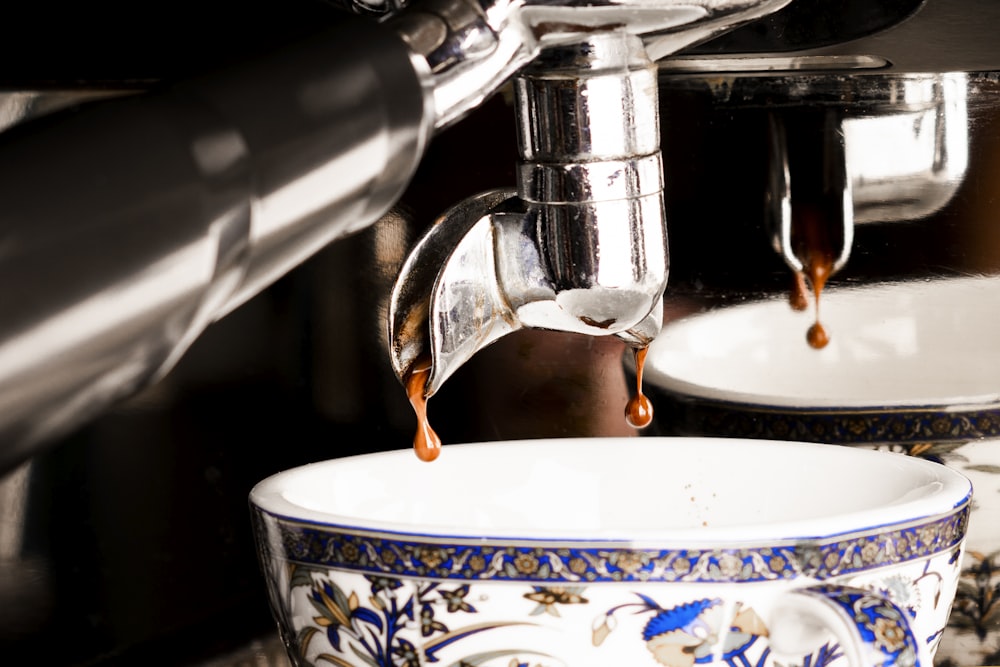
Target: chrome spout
x,y
825,190
579,247
466,49
885,149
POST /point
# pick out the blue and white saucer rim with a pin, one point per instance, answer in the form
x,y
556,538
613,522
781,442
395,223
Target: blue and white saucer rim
x,y
873,425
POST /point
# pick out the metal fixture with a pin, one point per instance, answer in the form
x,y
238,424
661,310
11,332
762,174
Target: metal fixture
x,y
580,247
891,148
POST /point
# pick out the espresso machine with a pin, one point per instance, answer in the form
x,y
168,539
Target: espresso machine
x,y
229,244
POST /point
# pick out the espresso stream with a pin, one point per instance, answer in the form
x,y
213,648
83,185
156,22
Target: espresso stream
x,y
639,410
813,245
427,443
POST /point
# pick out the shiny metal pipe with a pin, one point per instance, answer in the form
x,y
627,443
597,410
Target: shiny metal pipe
x,y
581,247
128,226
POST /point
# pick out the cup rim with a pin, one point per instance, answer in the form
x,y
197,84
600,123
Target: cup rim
x,y
952,493
913,529
762,332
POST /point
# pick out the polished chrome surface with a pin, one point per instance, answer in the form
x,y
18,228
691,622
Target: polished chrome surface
x,y
872,146
907,158
827,185
914,147
582,247
468,48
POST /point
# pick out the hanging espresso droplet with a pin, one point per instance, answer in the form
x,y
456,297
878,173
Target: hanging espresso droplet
x,y
639,411
818,185
819,267
817,336
426,442
811,237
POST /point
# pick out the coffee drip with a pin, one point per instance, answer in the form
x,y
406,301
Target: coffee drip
x,y
579,246
639,410
813,245
811,176
427,443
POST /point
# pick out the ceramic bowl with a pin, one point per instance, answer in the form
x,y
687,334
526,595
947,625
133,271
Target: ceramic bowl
x,y
915,361
911,368
597,551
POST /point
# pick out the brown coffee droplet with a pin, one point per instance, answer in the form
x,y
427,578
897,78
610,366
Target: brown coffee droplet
x,y
812,233
639,411
426,442
817,336
797,298
819,269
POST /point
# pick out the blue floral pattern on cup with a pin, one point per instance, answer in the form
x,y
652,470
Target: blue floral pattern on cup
x,y
524,560
389,599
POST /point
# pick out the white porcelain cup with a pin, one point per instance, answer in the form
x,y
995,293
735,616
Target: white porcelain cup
x,y
613,551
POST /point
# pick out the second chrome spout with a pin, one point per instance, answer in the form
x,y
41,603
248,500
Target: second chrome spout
x,y
580,246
